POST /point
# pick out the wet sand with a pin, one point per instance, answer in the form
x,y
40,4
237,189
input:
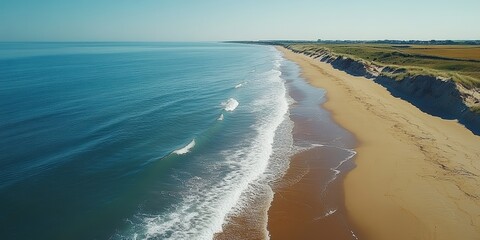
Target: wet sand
x,y
302,210
417,176
308,201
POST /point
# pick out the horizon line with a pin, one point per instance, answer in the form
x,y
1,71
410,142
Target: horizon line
x,y
212,41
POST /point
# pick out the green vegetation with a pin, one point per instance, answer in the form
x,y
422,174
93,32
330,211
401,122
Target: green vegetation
x,y
467,52
475,109
458,62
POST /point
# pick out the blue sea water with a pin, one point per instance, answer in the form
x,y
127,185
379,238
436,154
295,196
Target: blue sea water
x,y
136,140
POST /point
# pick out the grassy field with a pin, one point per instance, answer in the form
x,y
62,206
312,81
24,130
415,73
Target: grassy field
x,y
455,52
459,62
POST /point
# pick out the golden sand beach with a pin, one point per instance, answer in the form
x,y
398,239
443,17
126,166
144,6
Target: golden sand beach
x,y
417,176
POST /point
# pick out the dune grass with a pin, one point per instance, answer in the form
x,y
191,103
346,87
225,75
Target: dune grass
x,y
475,109
459,62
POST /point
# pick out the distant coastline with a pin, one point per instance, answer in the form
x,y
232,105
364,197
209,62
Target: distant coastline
x,y
406,42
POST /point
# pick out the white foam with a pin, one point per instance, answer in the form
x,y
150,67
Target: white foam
x,y
230,104
239,85
206,205
220,118
185,149
329,213
336,169
353,235
352,154
265,164
314,145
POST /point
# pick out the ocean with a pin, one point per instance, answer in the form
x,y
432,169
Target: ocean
x,y
138,140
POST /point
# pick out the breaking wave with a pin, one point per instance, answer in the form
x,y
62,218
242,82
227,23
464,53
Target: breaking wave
x,y
185,149
230,104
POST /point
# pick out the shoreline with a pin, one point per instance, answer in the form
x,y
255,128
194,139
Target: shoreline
x,y
416,174
248,219
308,200
321,155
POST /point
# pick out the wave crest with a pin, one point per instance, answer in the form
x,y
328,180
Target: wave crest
x,y
230,105
185,149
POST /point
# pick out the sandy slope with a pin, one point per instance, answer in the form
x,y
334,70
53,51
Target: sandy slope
x,y
417,176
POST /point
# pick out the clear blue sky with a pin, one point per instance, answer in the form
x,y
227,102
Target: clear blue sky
x,y
211,20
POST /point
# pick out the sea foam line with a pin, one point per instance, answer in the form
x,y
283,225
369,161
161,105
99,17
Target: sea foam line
x,y
273,164
336,169
204,209
261,148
